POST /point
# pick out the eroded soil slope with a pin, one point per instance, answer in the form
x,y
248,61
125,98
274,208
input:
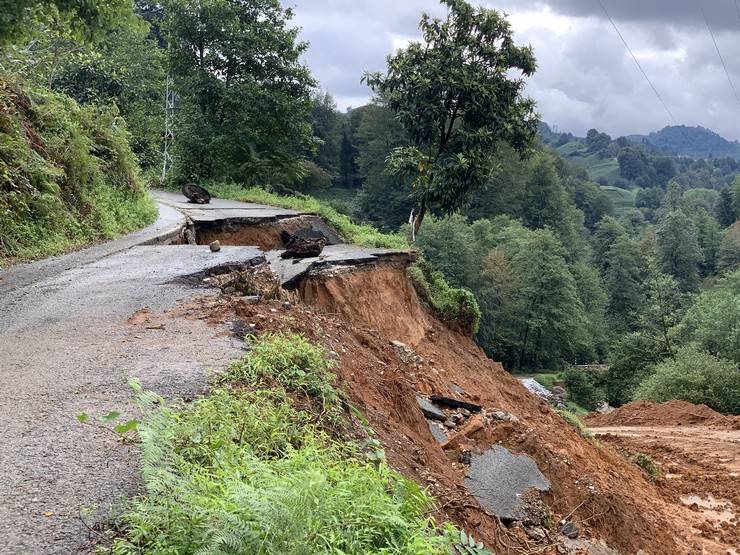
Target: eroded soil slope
x,y
389,350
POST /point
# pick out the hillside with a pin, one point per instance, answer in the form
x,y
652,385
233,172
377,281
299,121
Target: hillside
x,y
695,142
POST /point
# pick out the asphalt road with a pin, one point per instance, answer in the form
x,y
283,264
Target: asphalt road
x,y
65,348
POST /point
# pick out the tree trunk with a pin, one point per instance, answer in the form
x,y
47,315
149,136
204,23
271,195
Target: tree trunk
x,y
418,219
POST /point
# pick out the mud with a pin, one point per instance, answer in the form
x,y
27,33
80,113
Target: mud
x,y
358,313
265,235
672,413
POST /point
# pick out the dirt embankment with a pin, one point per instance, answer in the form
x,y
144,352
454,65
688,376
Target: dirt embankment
x,y
672,413
357,314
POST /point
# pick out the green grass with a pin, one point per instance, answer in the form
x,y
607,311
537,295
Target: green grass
x,y
622,199
647,464
362,235
339,198
547,379
573,420
252,469
595,166
67,174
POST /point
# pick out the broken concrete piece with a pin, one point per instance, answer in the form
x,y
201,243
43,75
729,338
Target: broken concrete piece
x,y
215,246
429,410
454,403
437,432
498,479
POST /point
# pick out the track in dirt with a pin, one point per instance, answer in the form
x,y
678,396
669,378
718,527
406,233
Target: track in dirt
x,y
699,473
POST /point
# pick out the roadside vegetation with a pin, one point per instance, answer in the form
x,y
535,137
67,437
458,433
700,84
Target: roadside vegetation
x,y
265,464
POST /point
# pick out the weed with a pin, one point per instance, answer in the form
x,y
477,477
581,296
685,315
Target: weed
x,y
246,471
454,306
574,421
647,464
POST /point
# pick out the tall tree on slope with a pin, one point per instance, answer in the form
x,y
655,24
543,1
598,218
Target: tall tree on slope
x,y
454,95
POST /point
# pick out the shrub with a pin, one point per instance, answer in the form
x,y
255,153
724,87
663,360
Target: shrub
x,y
247,470
574,421
694,376
67,174
583,388
455,306
647,464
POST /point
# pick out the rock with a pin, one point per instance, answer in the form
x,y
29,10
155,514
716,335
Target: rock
x,y
437,432
429,410
399,345
569,530
465,412
457,418
215,246
558,390
454,403
287,305
537,533
299,247
196,194
449,423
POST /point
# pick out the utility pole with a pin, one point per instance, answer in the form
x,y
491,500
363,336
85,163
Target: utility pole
x,y
168,130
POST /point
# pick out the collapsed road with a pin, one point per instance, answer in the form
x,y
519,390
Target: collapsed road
x,y
66,349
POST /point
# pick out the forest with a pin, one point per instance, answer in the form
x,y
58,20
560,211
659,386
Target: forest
x,y
562,277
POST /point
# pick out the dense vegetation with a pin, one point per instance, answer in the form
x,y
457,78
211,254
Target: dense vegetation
x,y
69,73
265,464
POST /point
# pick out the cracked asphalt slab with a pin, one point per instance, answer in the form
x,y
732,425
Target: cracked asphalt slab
x,y
65,348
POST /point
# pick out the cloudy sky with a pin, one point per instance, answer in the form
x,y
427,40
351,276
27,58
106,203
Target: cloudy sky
x,y
585,76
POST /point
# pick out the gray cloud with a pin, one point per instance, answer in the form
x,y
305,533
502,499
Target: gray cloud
x,y
585,77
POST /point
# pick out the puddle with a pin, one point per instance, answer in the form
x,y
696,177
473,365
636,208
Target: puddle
x,y
715,510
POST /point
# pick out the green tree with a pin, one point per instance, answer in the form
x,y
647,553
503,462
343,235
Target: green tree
x,y
552,326
583,388
127,69
709,237
725,211
244,95
713,321
623,282
678,250
729,249
383,198
454,96
607,231
662,309
630,359
694,376
326,125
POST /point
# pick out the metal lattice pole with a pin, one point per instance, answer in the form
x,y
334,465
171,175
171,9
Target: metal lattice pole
x,y
169,133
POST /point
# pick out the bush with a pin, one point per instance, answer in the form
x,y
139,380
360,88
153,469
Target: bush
x,y
630,360
248,470
694,376
67,174
583,388
647,464
573,420
452,305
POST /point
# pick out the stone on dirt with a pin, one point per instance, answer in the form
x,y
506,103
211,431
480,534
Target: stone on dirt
x,y
215,246
498,479
429,410
569,530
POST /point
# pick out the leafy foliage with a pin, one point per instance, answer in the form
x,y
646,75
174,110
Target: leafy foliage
x,y
67,174
453,305
573,420
647,464
453,95
695,376
244,96
246,471
583,387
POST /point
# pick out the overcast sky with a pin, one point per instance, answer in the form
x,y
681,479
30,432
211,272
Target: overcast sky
x,y
585,77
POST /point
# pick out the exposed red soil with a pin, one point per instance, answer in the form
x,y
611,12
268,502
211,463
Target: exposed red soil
x,y
356,315
266,236
671,413
695,463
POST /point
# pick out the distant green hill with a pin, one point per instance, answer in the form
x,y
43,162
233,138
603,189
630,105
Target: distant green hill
x,y
598,168
696,142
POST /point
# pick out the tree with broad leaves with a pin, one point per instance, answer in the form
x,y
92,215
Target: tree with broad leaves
x,y
456,97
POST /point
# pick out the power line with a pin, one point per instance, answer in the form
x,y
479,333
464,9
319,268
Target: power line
x,y
657,94
716,47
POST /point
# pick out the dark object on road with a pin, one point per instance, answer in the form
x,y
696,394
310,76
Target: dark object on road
x,y
300,247
454,403
196,194
215,246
